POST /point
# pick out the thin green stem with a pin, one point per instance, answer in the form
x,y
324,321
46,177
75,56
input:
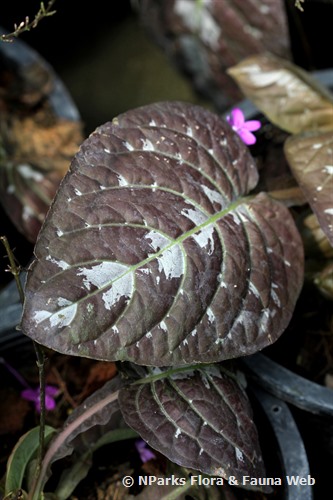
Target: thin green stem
x,y
298,5
154,377
41,369
60,439
13,268
169,373
177,492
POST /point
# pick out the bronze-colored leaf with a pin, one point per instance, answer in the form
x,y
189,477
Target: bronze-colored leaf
x,y
286,94
324,281
311,160
316,243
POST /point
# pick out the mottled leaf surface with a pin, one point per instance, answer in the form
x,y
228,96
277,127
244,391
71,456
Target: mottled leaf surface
x,y
201,420
150,254
311,159
206,38
286,94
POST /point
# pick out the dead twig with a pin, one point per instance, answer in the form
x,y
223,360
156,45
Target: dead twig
x,y
27,25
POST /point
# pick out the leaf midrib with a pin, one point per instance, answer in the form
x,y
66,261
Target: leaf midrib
x,y
211,220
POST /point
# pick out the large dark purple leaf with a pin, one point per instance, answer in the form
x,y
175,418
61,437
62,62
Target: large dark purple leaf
x,y
150,254
311,160
200,419
205,38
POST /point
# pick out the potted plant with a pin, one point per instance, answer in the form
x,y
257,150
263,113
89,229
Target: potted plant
x,y
136,134
133,257
165,274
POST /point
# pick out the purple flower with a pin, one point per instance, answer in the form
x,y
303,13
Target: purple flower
x,y
145,453
34,395
237,121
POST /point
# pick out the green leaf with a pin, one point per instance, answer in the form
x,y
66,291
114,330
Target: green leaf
x,y
22,454
286,94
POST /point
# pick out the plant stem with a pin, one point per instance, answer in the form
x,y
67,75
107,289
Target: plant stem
x,y
60,439
298,5
151,378
15,270
177,492
41,368
27,25
13,267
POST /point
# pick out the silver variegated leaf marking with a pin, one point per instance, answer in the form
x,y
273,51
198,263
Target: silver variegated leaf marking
x,y
150,253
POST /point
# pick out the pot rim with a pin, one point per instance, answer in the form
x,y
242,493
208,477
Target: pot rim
x,y
293,454
289,386
22,55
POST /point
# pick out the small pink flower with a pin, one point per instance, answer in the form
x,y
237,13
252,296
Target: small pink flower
x,y
237,121
34,395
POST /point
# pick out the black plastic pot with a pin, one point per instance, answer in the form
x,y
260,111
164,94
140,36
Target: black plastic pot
x,y
22,58
10,315
35,105
288,450
292,388
311,406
